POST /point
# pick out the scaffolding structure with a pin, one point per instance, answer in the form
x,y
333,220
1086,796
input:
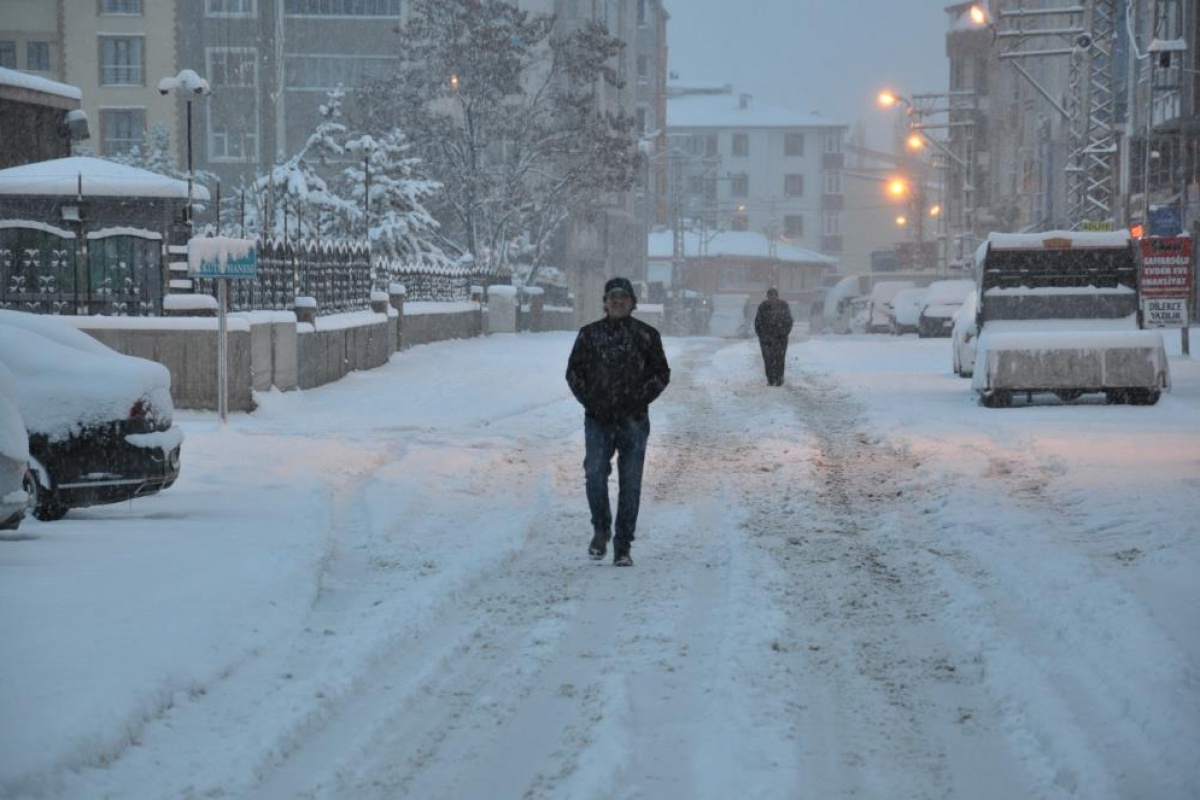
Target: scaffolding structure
x,y
1085,33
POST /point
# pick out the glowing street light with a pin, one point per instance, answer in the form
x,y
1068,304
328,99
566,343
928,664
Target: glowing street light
x,y
935,211
915,142
901,221
889,99
979,15
897,187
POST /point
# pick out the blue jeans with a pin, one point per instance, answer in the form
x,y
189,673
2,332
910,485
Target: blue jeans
x,y
627,438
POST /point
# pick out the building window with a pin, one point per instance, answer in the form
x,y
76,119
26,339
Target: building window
x,y
121,130
327,72
8,54
232,8
740,185
833,181
832,224
643,67
793,185
833,143
641,12
641,119
793,226
741,144
122,61
342,8
710,144
129,8
793,144
37,56
228,142
234,67
740,223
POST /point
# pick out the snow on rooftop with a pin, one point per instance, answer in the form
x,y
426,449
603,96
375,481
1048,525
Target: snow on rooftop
x,y
750,244
23,80
726,110
60,177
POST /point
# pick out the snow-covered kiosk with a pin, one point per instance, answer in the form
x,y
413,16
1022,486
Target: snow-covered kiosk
x,y
88,236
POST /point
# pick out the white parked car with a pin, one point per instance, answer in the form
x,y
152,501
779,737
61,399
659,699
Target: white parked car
x,y
963,335
14,455
98,422
906,311
883,296
942,300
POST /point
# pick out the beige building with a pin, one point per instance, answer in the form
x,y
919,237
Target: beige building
x,y
114,51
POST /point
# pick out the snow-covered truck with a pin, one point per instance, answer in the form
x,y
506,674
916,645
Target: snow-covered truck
x,y
1058,314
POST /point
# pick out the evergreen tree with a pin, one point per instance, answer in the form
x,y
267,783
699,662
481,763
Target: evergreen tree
x,y
504,113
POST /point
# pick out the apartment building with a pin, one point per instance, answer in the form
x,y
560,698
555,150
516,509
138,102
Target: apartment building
x,y
113,51
737,164
271,64
29,38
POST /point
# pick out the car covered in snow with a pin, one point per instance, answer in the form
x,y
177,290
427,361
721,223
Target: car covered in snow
x,y
98,422
14,455
942,300
963,335
883,296
906,311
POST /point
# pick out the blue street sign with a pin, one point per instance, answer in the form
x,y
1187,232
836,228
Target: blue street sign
x,y
221,257
1166,221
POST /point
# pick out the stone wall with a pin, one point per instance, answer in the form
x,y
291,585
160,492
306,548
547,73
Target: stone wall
x,y
190,355
426,328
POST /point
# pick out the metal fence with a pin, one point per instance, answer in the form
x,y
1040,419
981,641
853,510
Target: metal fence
x,y
41,271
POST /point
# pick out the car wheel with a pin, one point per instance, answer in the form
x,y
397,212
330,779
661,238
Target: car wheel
x,y
41,504
997,398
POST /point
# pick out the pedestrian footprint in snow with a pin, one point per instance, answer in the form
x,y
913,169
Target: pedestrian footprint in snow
x,y
772,324
616,370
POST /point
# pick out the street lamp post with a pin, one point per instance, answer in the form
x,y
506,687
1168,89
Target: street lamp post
x,y
188,85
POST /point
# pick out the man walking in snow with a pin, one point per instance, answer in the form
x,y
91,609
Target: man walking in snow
x,y
772,324
616,370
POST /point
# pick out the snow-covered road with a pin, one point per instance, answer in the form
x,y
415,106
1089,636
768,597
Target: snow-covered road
x,y
861,584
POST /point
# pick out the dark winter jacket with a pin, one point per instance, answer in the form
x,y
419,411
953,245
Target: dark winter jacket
x,y
617,368
773,320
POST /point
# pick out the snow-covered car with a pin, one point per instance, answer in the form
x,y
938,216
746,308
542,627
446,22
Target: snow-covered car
x,y
14,455
837,305
883,296
963,335
99,422
906,311
942,300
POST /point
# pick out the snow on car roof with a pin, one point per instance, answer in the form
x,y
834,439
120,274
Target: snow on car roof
x,y
948,292
67,380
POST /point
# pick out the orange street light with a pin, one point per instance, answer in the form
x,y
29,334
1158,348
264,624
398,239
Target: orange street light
x,y
887,99
897,187
454,82
915,142
901,221
979,15
935,211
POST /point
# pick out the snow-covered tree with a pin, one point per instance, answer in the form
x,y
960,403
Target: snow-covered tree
x,y
400,227
294,198
504,113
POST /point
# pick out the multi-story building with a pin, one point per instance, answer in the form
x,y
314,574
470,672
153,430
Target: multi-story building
x,y
1088,124
113,51
30,39
270,64
741,165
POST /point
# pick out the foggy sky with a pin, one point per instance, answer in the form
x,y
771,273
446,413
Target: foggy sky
x,y
831,56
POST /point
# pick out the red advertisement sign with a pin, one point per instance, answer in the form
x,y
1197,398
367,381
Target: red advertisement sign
x,y
1167,266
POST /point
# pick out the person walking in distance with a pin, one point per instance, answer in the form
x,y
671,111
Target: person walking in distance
x,y
616,370
772,324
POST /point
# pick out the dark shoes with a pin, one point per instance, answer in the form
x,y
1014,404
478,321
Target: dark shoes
x,y
599,545
621,556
